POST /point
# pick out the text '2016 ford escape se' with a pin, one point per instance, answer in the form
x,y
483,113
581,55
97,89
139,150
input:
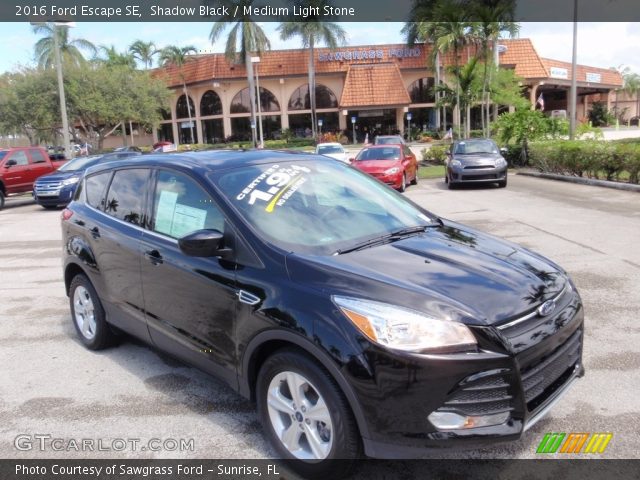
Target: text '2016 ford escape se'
x,y
359,322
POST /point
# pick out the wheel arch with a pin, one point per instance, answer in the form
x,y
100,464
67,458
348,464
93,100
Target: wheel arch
x,y
266,343
71,271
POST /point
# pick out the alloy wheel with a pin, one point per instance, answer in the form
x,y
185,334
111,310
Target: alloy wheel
x,y
84,312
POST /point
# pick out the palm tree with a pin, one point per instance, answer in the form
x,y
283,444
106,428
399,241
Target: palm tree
x,y
70,49
313,30
449,33
177,57
495,17
249,37
144,52
114,58
632,86
466,90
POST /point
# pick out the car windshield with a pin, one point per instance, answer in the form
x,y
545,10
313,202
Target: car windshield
x,y
475,146
316,207
80,163
326,149
386,153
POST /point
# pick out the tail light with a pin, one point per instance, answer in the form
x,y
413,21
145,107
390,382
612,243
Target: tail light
x,y
67,214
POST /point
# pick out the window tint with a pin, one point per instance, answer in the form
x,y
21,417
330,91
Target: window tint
x,y
384,153
37,156
126,194
20,157
181,206
96,185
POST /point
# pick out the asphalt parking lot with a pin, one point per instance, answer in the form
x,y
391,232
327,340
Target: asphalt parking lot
x,y
50,384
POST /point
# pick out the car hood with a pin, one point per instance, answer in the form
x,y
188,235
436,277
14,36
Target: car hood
x,y
59,176
376,166
478,159
450,271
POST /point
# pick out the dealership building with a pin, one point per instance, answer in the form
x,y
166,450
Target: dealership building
x,y
371,88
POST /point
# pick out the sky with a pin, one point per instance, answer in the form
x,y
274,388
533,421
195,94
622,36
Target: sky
x,y
599,44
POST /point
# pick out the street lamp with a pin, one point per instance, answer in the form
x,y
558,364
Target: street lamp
x,y
574,75
63,102
256,60
409,121
353,126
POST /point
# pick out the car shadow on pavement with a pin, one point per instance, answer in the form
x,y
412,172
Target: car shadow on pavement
x,y
15,202
442,185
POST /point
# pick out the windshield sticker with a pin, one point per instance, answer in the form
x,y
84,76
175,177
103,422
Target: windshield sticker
x,y
280,183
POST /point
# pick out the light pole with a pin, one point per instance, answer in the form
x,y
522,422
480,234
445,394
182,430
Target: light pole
x,y
320,127
63,102
574,76
409,122
256,60
353,126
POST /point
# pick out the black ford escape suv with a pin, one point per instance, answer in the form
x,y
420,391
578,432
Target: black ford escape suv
x,y
359,322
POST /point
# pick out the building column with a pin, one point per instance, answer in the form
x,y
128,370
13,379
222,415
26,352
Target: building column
x,y
176,137
199,134
400,119
585,106
533,95
342,119
284,120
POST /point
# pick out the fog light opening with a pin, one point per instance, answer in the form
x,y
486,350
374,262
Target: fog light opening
x,y
455,421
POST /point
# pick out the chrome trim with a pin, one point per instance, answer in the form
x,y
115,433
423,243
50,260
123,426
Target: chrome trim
x,y
565,289
563,390
248,298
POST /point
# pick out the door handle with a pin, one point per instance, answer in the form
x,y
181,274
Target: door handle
x,y
153,256
95,232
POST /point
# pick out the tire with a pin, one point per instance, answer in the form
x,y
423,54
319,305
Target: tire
x,y
88,315
503,183
450,184
403,185
415,180
1,199
335,438
50,207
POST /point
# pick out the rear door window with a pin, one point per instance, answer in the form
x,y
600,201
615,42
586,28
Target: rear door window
x,y
96,186
37,157
182,206
125,199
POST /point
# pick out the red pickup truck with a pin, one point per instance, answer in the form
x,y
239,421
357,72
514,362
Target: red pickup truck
x,y
19,168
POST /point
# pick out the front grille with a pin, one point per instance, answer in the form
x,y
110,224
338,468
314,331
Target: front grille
x,y
543,377
478,167
491,176
42,188
484,393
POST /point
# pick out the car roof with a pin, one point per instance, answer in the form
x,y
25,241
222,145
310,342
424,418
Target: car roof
x,y
329,144
208,160
384,145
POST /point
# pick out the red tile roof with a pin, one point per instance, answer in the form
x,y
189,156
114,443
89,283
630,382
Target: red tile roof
x,y
607,76
520,54
374,85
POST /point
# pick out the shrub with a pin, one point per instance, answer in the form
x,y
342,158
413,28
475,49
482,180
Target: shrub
x,y
631,160
437,154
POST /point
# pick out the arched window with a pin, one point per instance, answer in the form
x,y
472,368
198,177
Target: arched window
x,y
166,114
325,98
242,104
181,107
210,104
421,91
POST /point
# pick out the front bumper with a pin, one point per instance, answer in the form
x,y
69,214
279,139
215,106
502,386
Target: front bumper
x,y
55,196
394,180
476,175
525,378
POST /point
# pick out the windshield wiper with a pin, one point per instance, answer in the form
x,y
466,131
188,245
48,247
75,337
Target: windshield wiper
x,y
389,237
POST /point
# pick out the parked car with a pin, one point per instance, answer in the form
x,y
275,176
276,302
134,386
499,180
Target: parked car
x,y
58,188
333,150
394,165
356,320
388,139
476,160
19,168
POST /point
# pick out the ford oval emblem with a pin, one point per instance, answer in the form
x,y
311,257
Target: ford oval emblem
x,y
547,308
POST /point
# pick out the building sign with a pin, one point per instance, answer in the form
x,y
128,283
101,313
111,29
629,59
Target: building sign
x,y
378,54
557,72
594,77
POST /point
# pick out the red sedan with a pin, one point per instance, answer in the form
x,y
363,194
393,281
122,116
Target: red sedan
x,y
394,165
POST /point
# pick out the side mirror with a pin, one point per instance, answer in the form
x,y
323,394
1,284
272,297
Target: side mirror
x,y
351,160
10,163
204,243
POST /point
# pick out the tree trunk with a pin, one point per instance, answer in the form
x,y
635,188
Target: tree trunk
x,y
312,89
437,95
496,65
252,95
186,94
484,104
459,115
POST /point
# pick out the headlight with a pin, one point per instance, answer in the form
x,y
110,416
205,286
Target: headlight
x,y
71,181
401,328
391,171
501,162
456,163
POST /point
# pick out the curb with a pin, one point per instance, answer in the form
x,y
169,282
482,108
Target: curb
x,y
630,187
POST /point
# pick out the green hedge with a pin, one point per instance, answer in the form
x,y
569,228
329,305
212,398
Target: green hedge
x,y
594,159
436,154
